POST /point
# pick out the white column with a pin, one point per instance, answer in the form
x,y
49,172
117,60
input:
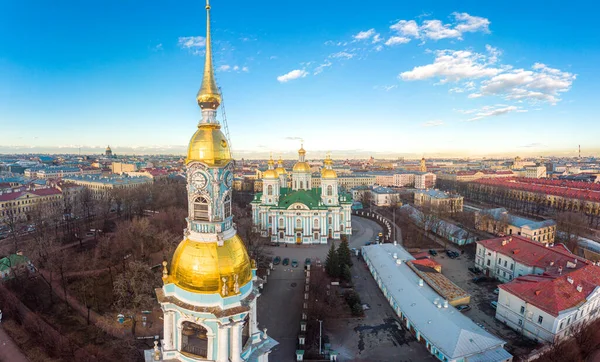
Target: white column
x,y
222,355
236,342
253,320
168,331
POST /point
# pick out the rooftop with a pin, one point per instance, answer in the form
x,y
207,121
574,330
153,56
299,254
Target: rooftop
x,y
553,259
37,192
563,188
554,294
112,179
499,213
447,329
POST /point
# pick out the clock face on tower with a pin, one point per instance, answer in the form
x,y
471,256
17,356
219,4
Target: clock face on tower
x,y
229,179
199,180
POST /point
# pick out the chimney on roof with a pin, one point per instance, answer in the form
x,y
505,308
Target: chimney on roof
x,y
537,292
420,282
579,288
445,303
398,261
551,263
570,280
560,270
395,255
516,251
20,253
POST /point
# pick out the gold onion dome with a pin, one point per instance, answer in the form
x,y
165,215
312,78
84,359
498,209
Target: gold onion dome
x,y
209,145
327,172
270,173
201,266
301,167
280,169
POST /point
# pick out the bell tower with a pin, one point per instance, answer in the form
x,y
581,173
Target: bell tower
x,y
209,294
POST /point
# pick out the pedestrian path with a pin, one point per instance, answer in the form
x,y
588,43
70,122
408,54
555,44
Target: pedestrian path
x,y
9,351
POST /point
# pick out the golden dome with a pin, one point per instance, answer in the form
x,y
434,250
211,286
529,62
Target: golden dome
x,y
270,174
200,266
301,151
280,169
328,173
209,145
301,167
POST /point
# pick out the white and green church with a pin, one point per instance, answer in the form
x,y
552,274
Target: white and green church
x,y
301,213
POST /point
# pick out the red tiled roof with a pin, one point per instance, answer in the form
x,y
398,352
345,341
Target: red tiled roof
x,y
426,262
421,255
39,192
562,188
531,253
555,294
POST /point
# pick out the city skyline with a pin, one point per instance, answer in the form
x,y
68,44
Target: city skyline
x,y
499,85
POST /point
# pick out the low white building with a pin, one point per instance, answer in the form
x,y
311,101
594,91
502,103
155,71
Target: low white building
x,y
550,307
498,221
446,333
510,257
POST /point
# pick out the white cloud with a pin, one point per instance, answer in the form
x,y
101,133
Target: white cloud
x,y
471,24
434,29
394,40
223,68
433,124
542,83
483,76
320,68
245,69
229,68
294,74
386,88
452,65
377,38
363,35
492,111
406,28
188,42
342,55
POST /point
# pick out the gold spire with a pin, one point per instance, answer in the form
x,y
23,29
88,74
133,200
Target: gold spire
x,y
208,96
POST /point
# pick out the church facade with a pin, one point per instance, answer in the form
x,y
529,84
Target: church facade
x,y
210,288
301,214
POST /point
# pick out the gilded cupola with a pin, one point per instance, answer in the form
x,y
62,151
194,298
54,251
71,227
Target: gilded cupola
x,y
301,165
328,171
280,169
270,173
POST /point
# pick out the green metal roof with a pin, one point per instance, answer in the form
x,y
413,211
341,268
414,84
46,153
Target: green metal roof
x,y
12,261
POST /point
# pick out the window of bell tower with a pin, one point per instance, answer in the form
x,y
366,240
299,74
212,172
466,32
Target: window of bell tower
x,y
329,190
201,209
194,339
246,331
270,190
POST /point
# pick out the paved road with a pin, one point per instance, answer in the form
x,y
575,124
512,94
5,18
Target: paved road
x,y
9,351
373,338
377,336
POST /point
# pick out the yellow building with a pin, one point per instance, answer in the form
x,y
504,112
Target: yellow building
x,y
19,204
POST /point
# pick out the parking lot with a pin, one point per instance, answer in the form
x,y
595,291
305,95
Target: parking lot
x,y
482,294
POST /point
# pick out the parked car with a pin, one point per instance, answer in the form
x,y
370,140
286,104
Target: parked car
x,y
481,279
494,304
497,291
433,252
307,261
463,308
452,254
286,261
277,260
294,263
474,270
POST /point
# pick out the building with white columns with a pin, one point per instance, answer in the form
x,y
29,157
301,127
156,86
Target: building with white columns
x,y
302,214
210,292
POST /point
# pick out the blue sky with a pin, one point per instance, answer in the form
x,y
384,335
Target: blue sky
x,y
382,78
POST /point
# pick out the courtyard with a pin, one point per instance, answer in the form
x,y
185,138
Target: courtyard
x,y
378,336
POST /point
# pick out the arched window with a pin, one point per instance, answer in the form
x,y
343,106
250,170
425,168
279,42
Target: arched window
x,y
342,226
195,339
330,221
227,206
316,223
281,223
201,209
329,190
270,190
298,223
